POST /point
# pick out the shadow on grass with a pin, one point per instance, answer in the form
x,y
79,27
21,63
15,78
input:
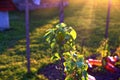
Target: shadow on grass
x,y
30,76
10,38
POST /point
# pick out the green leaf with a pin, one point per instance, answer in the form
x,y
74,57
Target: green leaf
x,y
69,66
67,36
48,39
85,75
69,77
52,45
80,64
66,54
73,34
56,56
63,24
85,67
46,35
80,58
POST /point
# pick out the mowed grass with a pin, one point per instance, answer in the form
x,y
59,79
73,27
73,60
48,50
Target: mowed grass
x,y
87,17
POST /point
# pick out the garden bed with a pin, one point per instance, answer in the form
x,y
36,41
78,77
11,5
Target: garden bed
x,y
53,72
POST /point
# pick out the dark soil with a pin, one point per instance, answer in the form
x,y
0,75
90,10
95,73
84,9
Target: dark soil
x,y
105,75
54,71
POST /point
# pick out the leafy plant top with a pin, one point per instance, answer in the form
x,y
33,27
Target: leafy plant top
x,y
104,48
61,37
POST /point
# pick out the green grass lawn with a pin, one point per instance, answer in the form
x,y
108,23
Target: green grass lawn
x,y
88,18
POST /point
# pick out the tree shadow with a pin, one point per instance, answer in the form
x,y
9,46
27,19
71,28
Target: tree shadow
x,y
10,38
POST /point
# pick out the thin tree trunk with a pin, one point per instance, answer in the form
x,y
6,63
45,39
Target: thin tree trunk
x,y
108,19
61,6
27,36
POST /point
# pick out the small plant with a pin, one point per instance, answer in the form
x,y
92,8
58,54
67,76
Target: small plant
x,y
104,48
75,67
104,51
62,42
